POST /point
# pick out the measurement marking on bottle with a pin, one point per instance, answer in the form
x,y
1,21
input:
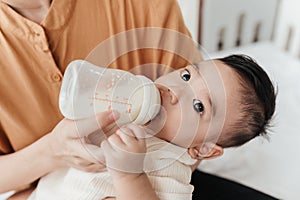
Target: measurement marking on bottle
x,y
110,101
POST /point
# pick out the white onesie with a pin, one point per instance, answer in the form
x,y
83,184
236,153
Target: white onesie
x,y
167,166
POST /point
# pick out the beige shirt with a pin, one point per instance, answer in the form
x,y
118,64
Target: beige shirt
x,y
166,165
33,56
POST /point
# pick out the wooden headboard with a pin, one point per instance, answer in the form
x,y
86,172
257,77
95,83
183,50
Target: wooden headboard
x,y
229,23
287,32
224,24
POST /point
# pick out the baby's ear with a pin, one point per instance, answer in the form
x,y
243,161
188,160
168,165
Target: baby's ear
x,y
205,151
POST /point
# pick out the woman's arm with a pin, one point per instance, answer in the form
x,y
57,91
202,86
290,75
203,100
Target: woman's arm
x,y
25,166
194,166
22,195
63,147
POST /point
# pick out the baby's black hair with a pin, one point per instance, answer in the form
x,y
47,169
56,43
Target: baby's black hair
x,y
258,101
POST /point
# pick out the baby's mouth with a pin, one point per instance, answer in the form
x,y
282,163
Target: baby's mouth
x,y
155,125
163,91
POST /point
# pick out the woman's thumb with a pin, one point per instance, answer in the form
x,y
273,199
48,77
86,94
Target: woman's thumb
x,y
106,118
99,121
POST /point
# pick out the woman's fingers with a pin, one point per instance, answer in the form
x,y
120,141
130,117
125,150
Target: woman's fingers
x,y
89,152
84,165
126,135
138,131
100,121
69,139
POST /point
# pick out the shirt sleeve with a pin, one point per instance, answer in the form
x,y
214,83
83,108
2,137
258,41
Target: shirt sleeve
x,y
184,51
168,188
5,146
172,182
167,44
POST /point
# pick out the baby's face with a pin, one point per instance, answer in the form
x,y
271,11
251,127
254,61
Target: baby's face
x,y
197,100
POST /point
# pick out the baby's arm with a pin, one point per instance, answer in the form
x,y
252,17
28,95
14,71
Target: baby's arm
x,y
194,166
124,153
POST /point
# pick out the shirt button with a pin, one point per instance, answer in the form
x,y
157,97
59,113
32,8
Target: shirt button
x,y
37,34
56,77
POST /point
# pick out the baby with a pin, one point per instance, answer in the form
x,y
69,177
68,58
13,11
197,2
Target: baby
x,y
206,107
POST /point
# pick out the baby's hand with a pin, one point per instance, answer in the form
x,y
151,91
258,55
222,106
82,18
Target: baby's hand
x,y
125,151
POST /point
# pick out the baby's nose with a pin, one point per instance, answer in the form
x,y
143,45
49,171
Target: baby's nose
x,y
174,98
169,92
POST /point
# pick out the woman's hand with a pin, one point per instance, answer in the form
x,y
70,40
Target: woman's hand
x,y
65,146
69,145
125,151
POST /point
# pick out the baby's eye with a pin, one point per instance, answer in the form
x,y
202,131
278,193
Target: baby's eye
x,y
198,106
185,75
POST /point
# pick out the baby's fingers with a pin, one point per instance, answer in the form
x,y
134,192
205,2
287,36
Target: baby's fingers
x,y
137,131
127,136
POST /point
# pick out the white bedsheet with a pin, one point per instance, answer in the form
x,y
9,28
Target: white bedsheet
x,y
271,167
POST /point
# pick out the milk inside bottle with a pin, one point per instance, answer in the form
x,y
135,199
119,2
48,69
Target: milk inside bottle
x,y
88,89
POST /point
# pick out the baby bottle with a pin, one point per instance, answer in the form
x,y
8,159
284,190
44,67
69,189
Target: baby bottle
x,y
88,89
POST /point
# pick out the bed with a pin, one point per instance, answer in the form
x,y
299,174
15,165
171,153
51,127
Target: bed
x,y
268,31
